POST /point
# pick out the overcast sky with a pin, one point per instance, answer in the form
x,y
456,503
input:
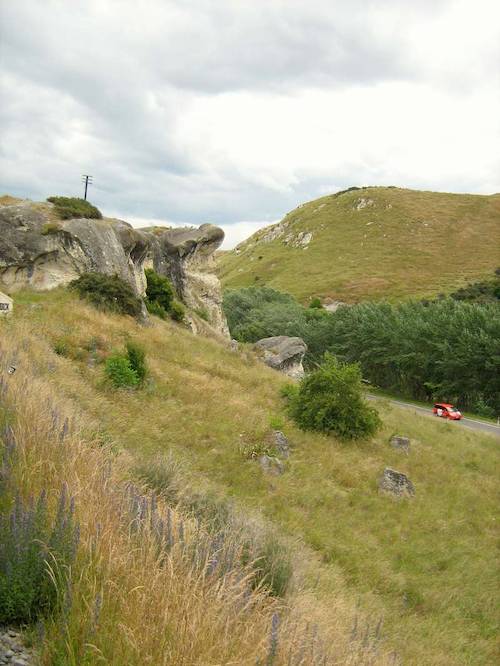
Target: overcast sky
x,y
235,111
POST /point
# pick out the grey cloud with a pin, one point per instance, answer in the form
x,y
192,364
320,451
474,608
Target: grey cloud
x,y
99,86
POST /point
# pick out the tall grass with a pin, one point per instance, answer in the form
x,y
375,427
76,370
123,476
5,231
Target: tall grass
x,y
148,584
426,565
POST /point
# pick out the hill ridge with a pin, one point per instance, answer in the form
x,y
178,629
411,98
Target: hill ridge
x,y
389,242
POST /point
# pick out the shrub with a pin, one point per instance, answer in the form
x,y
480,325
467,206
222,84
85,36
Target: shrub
x,y
137,360
108,292
30,543
159,290
177,311
73,207
330,400
156,309
120,372
315,303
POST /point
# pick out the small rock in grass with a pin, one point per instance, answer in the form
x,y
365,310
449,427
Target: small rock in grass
x,y
396,483
272,466
401,443
281,444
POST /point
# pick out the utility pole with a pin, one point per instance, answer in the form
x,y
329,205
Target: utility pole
x,y
87,180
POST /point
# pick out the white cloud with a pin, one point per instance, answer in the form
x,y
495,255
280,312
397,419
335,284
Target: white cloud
x,y
222,110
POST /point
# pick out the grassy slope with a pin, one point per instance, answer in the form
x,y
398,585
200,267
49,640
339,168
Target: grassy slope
x,y
409,243
427,565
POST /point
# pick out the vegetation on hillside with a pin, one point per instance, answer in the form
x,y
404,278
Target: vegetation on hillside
x,y
108,292
330,399
73,207
160,297
444,349
486,291
426,565
372,243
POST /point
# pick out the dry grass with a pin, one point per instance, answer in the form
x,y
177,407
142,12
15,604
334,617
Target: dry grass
x,y
427,565
132,599
408,243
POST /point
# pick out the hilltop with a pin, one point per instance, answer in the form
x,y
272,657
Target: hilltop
x,y
372,243
425,566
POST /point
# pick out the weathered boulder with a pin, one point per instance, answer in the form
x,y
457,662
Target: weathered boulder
x,y
42,252
186,257
284,354
6,304
396,483
401,443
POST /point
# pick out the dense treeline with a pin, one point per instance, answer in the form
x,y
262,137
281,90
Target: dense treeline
x,y
445,349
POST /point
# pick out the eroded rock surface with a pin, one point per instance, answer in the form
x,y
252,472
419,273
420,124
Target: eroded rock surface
x,y
42,252
186,256
283,353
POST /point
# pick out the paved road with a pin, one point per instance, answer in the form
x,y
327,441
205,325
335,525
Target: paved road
x,y
473,424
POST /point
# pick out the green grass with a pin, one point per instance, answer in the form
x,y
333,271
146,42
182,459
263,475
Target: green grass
x,y
408,243
426,565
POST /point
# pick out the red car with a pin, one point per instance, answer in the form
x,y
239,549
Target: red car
x,y
446,411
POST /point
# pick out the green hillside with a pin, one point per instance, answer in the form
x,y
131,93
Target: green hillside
x,y
424,567
372,243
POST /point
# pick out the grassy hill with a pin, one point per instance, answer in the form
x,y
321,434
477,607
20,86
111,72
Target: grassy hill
x,y
424,567
372,243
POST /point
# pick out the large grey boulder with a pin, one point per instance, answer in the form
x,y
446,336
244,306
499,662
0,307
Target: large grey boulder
x,y
283,353
6,304
186,257
42,252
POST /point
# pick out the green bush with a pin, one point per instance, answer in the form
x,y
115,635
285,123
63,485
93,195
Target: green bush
x,y
108,292
156,309
315,303
177,311
137,360
73,207
120,373
330,399
159,290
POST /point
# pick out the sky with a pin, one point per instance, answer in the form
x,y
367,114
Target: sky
x,y
235,111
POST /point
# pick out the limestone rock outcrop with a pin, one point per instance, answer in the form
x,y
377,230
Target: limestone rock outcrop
x,y
186,256
42,252
283,353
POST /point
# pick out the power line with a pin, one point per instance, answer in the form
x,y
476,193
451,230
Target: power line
x,y
87,180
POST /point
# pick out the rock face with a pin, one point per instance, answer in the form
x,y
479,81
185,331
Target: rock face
x,y
6,304
41,252
186,256
396,483
284,354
